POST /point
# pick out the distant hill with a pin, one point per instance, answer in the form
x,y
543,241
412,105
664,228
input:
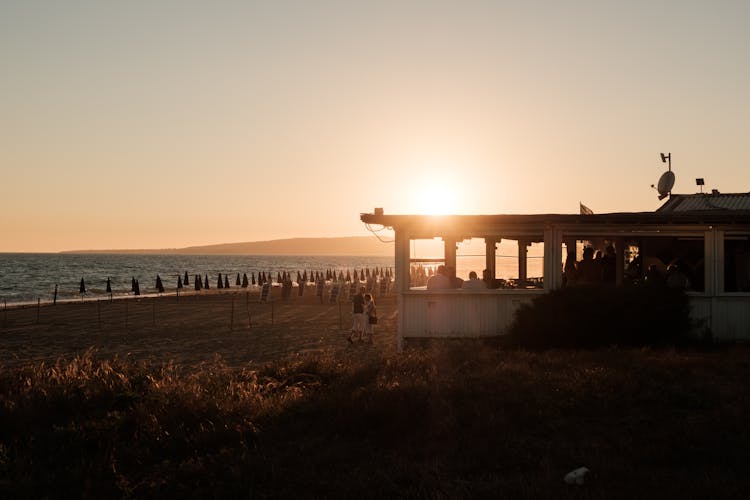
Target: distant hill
x,y
350,245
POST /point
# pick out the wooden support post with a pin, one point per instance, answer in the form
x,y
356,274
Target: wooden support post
x,y
522,262
620,260
490,245
449,244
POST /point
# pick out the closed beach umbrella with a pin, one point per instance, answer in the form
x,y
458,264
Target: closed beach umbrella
x,y
220,283
278,277
299,277
348,276
159,285
109,285
244,280
252,276
132,285
186,281
237,281
206,285
304,275
179,282
82,288
137,288
226,280
197,283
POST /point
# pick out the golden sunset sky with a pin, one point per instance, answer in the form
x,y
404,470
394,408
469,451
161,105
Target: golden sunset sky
x,y
152,124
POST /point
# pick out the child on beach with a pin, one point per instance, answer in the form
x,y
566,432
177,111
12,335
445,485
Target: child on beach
x,y
371,316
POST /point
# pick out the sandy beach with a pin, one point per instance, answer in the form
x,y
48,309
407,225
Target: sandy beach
x,y
190,329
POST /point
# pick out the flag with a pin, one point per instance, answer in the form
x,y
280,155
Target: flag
x,y
585,210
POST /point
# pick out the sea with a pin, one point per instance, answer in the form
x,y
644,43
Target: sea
x,y
29,277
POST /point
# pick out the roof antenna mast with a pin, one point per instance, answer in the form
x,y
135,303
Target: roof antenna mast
x,y
666,181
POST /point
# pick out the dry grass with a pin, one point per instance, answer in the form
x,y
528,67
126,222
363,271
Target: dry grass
x,y
460,421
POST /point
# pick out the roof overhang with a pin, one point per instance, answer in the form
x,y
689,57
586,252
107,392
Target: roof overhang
x,y
459,226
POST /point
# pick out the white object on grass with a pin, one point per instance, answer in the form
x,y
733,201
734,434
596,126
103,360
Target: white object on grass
x,y
576,476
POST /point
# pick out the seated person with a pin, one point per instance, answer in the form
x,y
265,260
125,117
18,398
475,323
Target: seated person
x,y
439,280
474,283
456,282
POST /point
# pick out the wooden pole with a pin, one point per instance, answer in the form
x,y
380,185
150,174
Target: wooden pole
x,y
231,320
247,310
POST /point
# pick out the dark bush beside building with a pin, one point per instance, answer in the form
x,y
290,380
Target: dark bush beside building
x,y
599,316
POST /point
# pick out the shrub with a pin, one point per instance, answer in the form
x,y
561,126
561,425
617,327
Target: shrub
x,y
598,316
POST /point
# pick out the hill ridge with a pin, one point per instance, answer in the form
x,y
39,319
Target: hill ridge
x,y
341,245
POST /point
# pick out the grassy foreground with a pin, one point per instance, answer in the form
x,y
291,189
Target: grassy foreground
x,y
461,421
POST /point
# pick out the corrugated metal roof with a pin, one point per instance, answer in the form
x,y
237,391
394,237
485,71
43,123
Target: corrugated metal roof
x,y
702,202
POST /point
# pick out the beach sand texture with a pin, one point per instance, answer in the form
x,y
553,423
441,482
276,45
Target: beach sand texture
x,y
191,329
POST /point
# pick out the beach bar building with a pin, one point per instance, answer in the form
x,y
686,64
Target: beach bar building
x,y
703,239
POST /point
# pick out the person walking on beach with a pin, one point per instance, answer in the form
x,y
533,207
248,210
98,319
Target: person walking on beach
x,y
358,315
371,315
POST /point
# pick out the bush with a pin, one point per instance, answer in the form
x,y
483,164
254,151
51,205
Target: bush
x,y
598,316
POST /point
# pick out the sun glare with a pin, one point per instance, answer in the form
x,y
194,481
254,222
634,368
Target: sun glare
x,y
436,199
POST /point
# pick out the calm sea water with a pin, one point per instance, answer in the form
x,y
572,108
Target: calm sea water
x,y
29,277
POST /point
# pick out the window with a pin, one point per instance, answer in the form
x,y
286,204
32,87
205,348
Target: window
x,y
737,263
659,260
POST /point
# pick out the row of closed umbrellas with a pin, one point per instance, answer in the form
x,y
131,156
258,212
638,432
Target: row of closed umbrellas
x,y
284,277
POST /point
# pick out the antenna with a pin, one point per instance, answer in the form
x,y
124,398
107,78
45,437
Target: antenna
x,y
667,158
666,181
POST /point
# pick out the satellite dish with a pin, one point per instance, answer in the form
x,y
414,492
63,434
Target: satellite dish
x,y
665,185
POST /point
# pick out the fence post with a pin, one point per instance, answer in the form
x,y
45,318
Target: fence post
x,y
247,310
231,320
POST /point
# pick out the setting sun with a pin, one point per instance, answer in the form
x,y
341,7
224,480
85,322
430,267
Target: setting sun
x,y
436,199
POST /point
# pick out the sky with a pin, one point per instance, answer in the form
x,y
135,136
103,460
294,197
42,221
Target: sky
x,y
166,124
